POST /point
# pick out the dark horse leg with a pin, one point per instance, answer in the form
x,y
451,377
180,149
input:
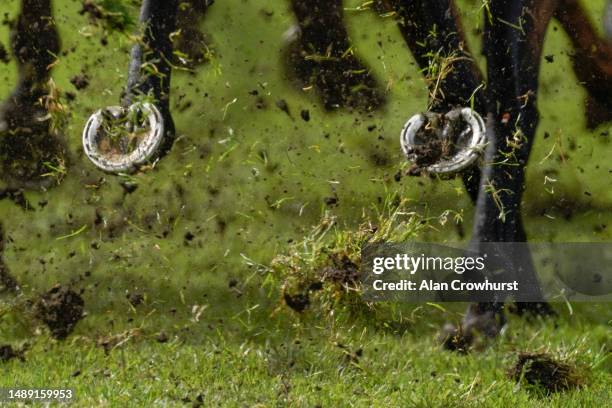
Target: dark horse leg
x,y
29,141
191,41
592,60
7,282
513,43
319,55
434,34
150,66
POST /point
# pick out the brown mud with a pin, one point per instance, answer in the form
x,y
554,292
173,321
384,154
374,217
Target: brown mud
x,y
60,309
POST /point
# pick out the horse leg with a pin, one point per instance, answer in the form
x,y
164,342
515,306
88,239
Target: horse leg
x,y
150,68
29,139
319,55
513,43
592,61
7,282
191,41
433,32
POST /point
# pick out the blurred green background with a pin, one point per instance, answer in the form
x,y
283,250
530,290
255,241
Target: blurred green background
x,y
244,181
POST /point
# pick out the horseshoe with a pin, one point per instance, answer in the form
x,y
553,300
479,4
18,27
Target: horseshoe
x,y
471,139
125,161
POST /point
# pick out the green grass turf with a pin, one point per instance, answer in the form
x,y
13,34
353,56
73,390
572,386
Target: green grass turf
x,y
246,181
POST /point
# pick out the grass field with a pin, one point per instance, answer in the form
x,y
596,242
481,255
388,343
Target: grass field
x,y
241,186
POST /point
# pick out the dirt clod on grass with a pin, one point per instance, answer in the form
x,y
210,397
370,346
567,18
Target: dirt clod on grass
x,y
544,371
60,309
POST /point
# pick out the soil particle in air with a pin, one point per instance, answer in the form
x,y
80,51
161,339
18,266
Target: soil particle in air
x,y
331,201
135,299
298,302
80,81
544,371
7,353
128,186
284,106
305,114
60,309
162,337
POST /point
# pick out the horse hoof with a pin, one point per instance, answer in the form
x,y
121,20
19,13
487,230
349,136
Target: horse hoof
x,y
119,140
444,144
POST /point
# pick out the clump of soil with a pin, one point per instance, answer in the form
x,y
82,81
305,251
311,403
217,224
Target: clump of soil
x,y
542,370
60,309
135,299
80,81
342,271
455,339
7,353
436,146
301,300
298,302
